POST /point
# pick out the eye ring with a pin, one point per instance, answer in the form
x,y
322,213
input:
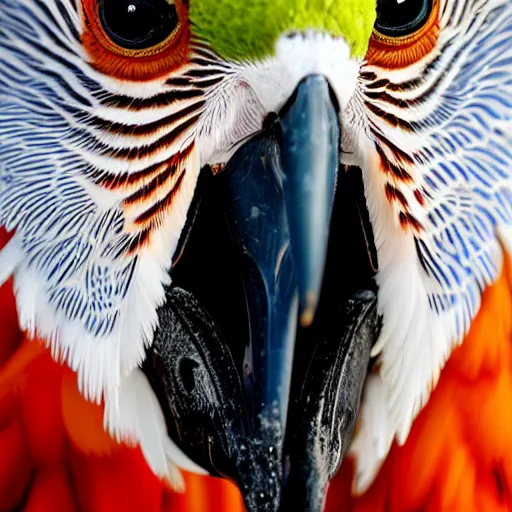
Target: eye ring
x,y
395,52
135,64
138,45
399,28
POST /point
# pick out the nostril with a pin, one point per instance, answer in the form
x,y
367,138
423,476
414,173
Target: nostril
x,y
270,120
187,367
294,34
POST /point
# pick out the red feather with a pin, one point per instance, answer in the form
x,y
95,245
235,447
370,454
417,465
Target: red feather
x,y
458,457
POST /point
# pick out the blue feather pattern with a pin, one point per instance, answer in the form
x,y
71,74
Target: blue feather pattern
x,y
64,177
468,178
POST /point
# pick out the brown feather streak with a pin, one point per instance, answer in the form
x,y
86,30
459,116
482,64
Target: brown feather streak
x,y
113,181
149,128
389,118
157,208
162,143
160,100
394,194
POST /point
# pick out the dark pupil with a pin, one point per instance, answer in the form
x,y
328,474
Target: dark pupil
x,y
401,19
137,24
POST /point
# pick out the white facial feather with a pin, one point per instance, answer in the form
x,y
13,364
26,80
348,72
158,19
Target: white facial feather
x,y
140,418
46,147
430,283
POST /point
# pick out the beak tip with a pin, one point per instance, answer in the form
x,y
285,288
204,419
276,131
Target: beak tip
x,y
309,309
309,140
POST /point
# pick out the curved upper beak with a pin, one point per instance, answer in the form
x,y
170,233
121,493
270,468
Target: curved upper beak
x,y
232,415
309,144
280,190
280,194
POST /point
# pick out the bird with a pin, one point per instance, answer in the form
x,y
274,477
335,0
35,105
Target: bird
x,y
263,241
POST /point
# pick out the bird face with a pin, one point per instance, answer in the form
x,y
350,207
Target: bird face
x,y
116,113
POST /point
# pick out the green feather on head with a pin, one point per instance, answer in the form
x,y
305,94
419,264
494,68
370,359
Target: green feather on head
x,y
249,29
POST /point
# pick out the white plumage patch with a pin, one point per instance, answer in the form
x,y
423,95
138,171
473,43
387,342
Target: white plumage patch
x,y
431,280
505,237
374,434
139,417
139,420
10,257
297,56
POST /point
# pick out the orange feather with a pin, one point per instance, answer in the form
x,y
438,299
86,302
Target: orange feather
x,y
56,456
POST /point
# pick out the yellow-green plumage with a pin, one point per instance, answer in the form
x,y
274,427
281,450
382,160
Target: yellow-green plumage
x,y
248,29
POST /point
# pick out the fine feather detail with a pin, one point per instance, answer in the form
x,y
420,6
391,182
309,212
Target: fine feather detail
x,y
139,420
374,434
454,151
10,257
96,197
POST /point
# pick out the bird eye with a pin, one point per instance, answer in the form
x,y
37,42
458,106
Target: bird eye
x,y
138,24
401,18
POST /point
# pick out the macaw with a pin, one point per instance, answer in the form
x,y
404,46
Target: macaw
x,y
264,241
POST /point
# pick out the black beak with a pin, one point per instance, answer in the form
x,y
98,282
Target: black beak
x,y
309,143
280,193
280,196
230,415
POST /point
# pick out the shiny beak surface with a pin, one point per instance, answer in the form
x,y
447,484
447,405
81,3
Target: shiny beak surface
x,y
309,143
280,192
258,223
230,415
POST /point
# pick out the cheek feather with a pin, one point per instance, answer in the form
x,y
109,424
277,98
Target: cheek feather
x,y
400,52
135,65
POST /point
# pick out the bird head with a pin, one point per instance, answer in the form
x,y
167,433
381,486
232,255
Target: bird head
x,y
228,193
